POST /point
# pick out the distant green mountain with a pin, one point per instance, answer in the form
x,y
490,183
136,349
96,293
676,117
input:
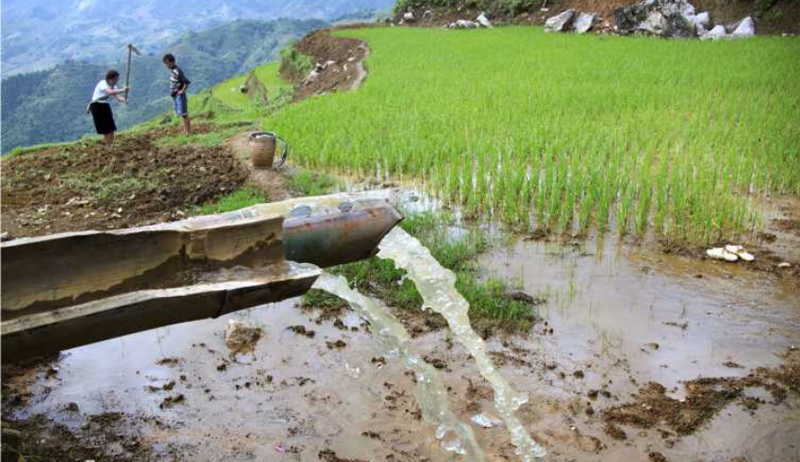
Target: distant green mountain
x,y
50,106
38,34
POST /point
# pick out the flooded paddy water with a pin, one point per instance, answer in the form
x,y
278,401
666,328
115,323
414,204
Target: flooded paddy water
x,y
616,318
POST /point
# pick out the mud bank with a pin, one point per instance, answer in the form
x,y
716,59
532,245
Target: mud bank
x,y
343,60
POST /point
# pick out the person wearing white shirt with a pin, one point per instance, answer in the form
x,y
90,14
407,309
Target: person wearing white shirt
x,y
100,106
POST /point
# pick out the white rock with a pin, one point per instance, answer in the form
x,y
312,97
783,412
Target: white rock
x,y
584,22
718,32
559,22
483,20
733,248
463,24
702,20
731,257
746,28
785,264
687,9
655,23
719,253
730,253
408,16
739,252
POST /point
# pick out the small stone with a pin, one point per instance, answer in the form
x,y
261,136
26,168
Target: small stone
x,y
560,22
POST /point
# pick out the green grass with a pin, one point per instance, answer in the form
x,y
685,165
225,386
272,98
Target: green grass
x,y
309,183
244,197
228,91
456,249
567,132
225,105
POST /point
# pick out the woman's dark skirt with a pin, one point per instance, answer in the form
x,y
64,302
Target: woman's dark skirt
x,y
103,118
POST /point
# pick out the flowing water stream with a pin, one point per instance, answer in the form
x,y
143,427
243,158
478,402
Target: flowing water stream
x,y
436,285
430,393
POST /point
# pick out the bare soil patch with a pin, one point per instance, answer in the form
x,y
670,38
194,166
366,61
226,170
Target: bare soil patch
x,y
86,186
346,70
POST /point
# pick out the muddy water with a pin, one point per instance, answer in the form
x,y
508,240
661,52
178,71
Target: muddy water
x,y
608,309
289,400
431,394
624,317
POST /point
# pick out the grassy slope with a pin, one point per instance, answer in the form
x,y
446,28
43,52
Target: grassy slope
x,y
228,91
569,130
225,104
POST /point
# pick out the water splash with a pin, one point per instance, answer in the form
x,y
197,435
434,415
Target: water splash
x,y
456,436
437,287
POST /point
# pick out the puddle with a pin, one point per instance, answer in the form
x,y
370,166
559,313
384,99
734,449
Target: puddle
x,y
622,317
654,310
431,394
292,393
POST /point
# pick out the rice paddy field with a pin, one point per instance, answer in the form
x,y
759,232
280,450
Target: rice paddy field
x,y
565,132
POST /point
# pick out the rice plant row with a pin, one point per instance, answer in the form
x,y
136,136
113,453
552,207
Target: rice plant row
x,y
569,132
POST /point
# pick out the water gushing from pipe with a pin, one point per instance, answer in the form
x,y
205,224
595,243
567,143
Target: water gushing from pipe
x,y
436,285
431,395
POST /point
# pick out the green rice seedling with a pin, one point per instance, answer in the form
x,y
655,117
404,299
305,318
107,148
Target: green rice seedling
x,y
568,132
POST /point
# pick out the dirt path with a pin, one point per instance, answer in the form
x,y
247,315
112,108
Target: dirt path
x,y
273,183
